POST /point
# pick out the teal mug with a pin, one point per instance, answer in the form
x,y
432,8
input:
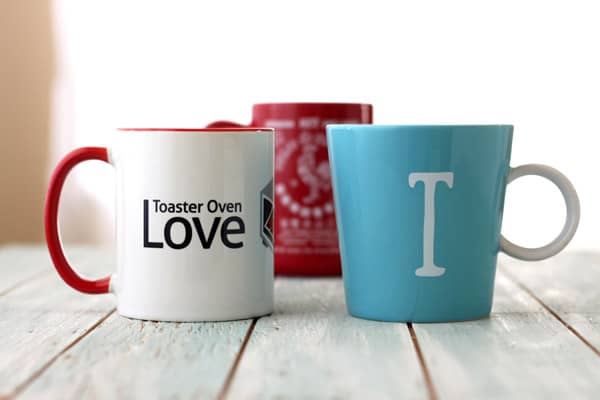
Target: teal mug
x,y
419,214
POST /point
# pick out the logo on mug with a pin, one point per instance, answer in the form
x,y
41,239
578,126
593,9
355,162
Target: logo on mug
x,y
222,224
305,193
266,215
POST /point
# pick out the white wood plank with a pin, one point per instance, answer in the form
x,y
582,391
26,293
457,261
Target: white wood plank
x,y
311,348
522,351
126,358
41,317
20,263
569,284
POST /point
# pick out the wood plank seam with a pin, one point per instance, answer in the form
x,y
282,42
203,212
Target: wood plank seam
x,y
21,387
34,276
552,312
425,370
229,379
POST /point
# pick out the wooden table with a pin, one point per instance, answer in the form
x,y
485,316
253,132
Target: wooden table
x,y
541,342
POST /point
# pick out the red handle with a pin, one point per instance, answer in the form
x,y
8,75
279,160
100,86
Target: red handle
x,y
225,124
66,272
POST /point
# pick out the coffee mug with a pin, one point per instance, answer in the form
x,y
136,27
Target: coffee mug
x,y
306,241
419,212
194,214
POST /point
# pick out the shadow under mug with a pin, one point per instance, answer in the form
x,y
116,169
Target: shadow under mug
x,y
419,213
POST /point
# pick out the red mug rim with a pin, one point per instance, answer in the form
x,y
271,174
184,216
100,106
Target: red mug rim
x,y
312,105
215,130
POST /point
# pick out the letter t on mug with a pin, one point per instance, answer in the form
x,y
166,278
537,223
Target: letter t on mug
x,y
429,179
194,214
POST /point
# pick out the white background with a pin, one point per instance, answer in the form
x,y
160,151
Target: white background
x,y
534,64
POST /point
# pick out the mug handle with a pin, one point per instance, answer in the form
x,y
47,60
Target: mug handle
x,y
66,272
571,223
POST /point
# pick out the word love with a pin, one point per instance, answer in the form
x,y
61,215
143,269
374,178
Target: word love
x,y
229,227
430,179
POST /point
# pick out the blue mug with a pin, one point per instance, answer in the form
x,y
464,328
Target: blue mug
x,y
419,213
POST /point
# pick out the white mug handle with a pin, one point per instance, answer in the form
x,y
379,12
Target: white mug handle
x,y
571,223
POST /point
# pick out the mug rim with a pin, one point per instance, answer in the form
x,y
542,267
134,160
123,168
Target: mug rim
x,y
411,126
200,130
312,103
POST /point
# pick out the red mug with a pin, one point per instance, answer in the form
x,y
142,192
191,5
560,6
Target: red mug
x,y
306,241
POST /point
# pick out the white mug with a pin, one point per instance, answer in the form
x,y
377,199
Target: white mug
x,y
194,216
